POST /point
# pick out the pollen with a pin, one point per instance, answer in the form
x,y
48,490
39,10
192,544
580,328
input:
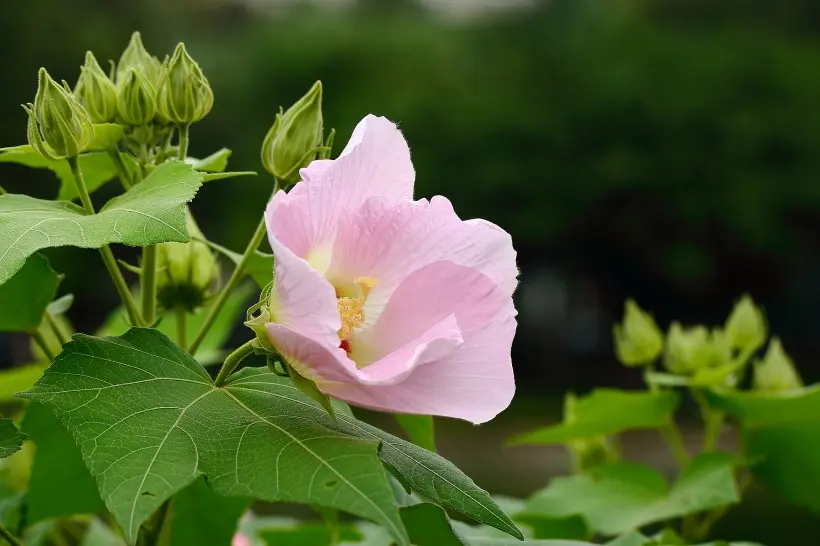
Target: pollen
x,y
351,310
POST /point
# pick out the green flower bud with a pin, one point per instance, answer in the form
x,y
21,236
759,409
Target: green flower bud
x,y
184,95
638,340
137,57
186,271
746,326
776,372
96,91
136,99
58,125
691,349
295,138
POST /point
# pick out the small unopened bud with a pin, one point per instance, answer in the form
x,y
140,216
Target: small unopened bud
x,y
295,137
746,326
136,99
58,125
186,272
137,57
96,91
184,95
638,340
776,372
691,349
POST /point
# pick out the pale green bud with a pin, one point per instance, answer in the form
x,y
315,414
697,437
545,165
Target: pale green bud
x,y
776,372
136,99
96,91
638,340
184,95
691,349
295,138
186,271
58,125
137,57
746,326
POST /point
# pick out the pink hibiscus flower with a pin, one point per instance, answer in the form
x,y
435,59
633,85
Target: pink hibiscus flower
x,y
385,302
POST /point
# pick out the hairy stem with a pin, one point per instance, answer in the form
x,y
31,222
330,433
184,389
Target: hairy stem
x,y
38,337
236,276
182,153
671,434
11,539
107,256
122,170
57,329
148,279
233,360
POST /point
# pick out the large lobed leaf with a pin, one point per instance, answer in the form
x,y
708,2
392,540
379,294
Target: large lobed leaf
x,y
149,213
605,412
621,497
781,437
149,421
11,439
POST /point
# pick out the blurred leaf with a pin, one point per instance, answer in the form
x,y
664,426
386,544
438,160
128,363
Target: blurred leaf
x,y
99,534
97,168
58,468
185,523
276,449
781,438
420,429
428,525
217,162
11,439
25,296
61,304
631,539
106,136
622,497
151,212
605,412
259,268
212,350
279,531
19,379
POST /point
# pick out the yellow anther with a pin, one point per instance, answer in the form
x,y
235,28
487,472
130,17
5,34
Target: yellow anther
x,y
351,310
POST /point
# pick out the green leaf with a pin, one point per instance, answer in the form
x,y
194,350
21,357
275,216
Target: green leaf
x,y
420,429
151,212
622,497
211,351
19,379
26,295
605,412
97,168
210,177
145,414
99,534
281,531
781,438
11,439
310,389
630,539
61,304
106,136
428,525
217,162
185,523
58,467
259,268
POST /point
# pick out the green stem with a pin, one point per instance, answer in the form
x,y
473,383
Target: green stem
x,y
107,256
671,433
182,327
712,420
3,191
236,276
57,329
11,539
183,142
233,360
148,278
43,344
122,170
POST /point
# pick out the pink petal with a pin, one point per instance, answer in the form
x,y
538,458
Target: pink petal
x,y
474,381
388,238
375,162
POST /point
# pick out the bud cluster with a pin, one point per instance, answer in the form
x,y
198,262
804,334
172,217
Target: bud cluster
x,y
703,356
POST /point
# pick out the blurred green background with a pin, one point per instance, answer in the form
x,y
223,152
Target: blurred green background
x,y
667,150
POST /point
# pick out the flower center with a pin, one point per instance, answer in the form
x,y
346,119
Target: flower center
x,y
351,310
